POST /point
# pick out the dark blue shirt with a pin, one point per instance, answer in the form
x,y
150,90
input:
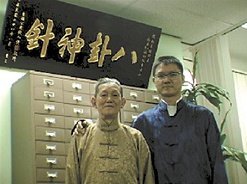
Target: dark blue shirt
x,y
185,147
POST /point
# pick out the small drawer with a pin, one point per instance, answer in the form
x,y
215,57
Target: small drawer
x,y
133,94
147,106
49,161
49,121
92,88
70,122
77,99
152,96
48,82
134,106
67,136
53,95
127,116
50,134
50,148
50,175
76,86
77,111
48,108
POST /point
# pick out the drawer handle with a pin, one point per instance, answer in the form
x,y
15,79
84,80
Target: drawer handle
x,y
134,106
51,174
50,120
51,147
78,111
156,97
77,98
76,86
48,82
51,161
133,117
133,94
49,107
50,133
49,94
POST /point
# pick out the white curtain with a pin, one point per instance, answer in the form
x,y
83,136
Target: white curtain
x,y
215,67
240,81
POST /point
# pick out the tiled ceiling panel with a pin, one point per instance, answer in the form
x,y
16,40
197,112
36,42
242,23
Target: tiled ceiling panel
x,y
190,20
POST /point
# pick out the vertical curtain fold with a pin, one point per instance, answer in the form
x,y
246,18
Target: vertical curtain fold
x,y
214,66
240,81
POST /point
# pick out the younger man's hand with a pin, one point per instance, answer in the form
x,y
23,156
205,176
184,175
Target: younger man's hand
x,y
80,127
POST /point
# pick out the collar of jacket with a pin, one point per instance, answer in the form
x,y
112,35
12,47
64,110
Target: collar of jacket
x,y
108,126
163,106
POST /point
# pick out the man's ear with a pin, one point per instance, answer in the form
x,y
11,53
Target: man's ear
x,y
123,102
183,78
93,101
153,79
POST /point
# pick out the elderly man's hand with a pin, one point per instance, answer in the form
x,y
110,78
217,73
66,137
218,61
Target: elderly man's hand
x,y
80,127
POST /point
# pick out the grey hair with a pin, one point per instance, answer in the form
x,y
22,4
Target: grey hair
x,y
107,80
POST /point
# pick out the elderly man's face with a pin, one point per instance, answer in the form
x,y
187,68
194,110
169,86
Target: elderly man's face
x,y
108,100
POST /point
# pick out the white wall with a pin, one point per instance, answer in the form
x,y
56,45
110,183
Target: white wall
x,y
239,64
7,77
167,46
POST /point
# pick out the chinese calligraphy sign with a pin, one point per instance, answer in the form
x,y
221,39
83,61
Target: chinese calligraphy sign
x,y
57,41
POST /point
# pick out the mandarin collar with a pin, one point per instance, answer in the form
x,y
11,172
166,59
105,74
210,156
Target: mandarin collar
x,y
180,104
104,126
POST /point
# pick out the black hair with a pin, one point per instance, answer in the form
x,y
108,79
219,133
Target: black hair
x,y
166,60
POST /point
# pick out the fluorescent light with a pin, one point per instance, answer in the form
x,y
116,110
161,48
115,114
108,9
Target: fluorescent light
x,y
244,26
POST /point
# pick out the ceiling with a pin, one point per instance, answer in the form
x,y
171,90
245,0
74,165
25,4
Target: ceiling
x,y
190,20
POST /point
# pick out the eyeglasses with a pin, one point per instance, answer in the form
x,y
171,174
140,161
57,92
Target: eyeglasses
x,y
171,75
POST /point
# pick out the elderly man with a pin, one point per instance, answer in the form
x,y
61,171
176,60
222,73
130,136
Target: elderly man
x,y
109,151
